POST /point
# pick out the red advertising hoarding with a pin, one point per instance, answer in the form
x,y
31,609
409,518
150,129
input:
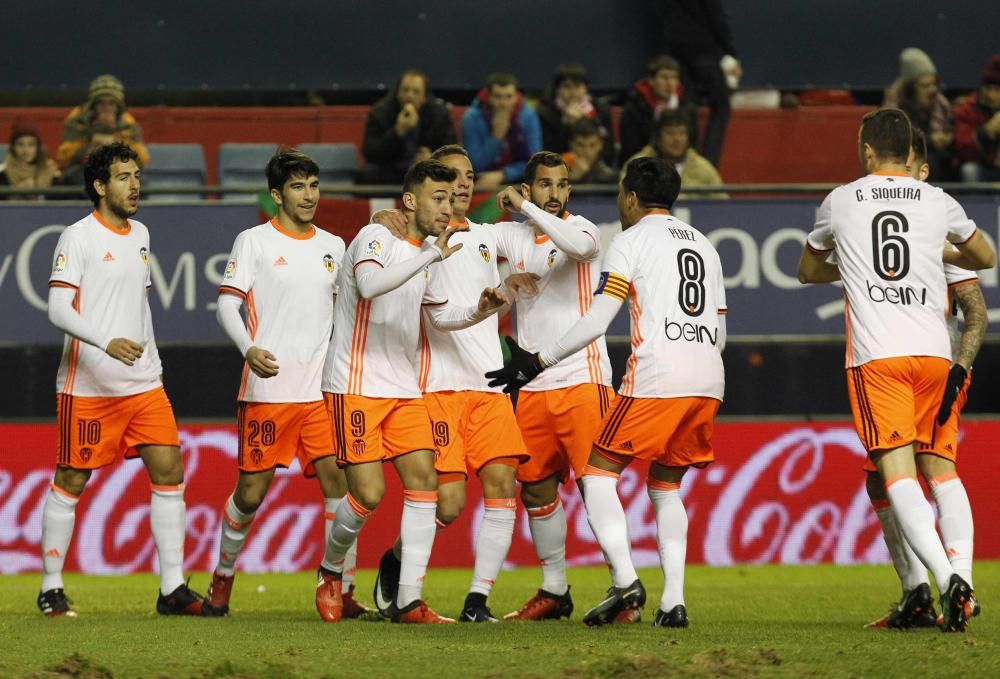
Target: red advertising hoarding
x,y
780,492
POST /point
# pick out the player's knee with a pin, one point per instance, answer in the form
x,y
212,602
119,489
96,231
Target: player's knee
x,y
538,495
369,498
167,470
500,488
248,498
73,481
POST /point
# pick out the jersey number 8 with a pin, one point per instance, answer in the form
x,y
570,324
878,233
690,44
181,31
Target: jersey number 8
x,y
891,254
691,292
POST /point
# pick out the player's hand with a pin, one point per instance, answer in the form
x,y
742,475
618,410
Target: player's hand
x,y
522,367
407,119
423,153
262,362
394,220
581,166
124,350
441,242
522,284
492,299
510,199
956,379
993,125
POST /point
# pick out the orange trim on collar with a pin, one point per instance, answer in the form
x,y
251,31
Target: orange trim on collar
x,y
297,236
113,229
464,222
565,215
413,241
541,239
890,174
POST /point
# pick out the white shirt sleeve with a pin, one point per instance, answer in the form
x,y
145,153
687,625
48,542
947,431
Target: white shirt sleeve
x,y
65,317
960,227
228,315
241,270
602,311
578,243
374,280
820,239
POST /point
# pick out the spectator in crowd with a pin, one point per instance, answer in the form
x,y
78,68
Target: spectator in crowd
x,y
101,120
567,101
584,158
977,129
27,165
500,132
916,92
658,91
698,35
670,142
403,127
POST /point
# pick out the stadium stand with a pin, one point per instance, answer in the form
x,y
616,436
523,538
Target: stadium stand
x,y
240,166
337,162
176,165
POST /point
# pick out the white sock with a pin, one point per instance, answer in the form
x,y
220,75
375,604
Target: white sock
x,y
235,528
416,530
58,519
493,543
955,523
350,518
167,520
912,573
351,558
916,518
548,532
671,537
607,520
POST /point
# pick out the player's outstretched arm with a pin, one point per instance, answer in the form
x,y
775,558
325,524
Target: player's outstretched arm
x,y
566,236
450,317
373,280
974,254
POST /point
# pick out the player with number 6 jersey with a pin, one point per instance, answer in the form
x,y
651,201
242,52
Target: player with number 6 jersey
x,y
889,232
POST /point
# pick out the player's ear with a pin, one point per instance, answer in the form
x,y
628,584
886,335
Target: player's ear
x,y
100,188
409,201
276,196
525,191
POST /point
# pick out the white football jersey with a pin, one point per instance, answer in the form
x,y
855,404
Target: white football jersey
x,y
287,283
457,360
565,292
109,269
375,347
671,277
888,232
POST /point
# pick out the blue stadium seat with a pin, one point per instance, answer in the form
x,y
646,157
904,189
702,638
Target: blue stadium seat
x,y
337,162
242,166
175,164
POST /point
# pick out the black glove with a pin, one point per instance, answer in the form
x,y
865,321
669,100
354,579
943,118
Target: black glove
x,y
956,379
522,367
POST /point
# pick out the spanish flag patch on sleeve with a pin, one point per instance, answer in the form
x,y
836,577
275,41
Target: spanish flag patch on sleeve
x,y
614,285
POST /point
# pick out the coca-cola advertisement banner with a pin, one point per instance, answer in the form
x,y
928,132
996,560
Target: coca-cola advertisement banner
x,y
780,492
759,242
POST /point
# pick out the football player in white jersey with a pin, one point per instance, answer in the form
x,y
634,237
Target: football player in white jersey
x,y
371,379
665,408
473,425
284,274
888,231
110,400
559,412
936,462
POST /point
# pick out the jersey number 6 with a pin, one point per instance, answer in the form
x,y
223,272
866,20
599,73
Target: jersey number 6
x,y
891,254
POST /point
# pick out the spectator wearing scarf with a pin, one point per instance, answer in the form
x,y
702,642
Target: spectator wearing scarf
x,y
569,100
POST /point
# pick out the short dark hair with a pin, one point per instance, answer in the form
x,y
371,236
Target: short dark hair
x,y
98,166
449,150
434,170
573,72
655,182
545,158
919,146
287,163
669,117
501,78
888,132
414,72
584,127
662,62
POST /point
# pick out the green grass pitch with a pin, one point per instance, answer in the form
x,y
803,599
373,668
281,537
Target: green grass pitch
x,y
765,621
